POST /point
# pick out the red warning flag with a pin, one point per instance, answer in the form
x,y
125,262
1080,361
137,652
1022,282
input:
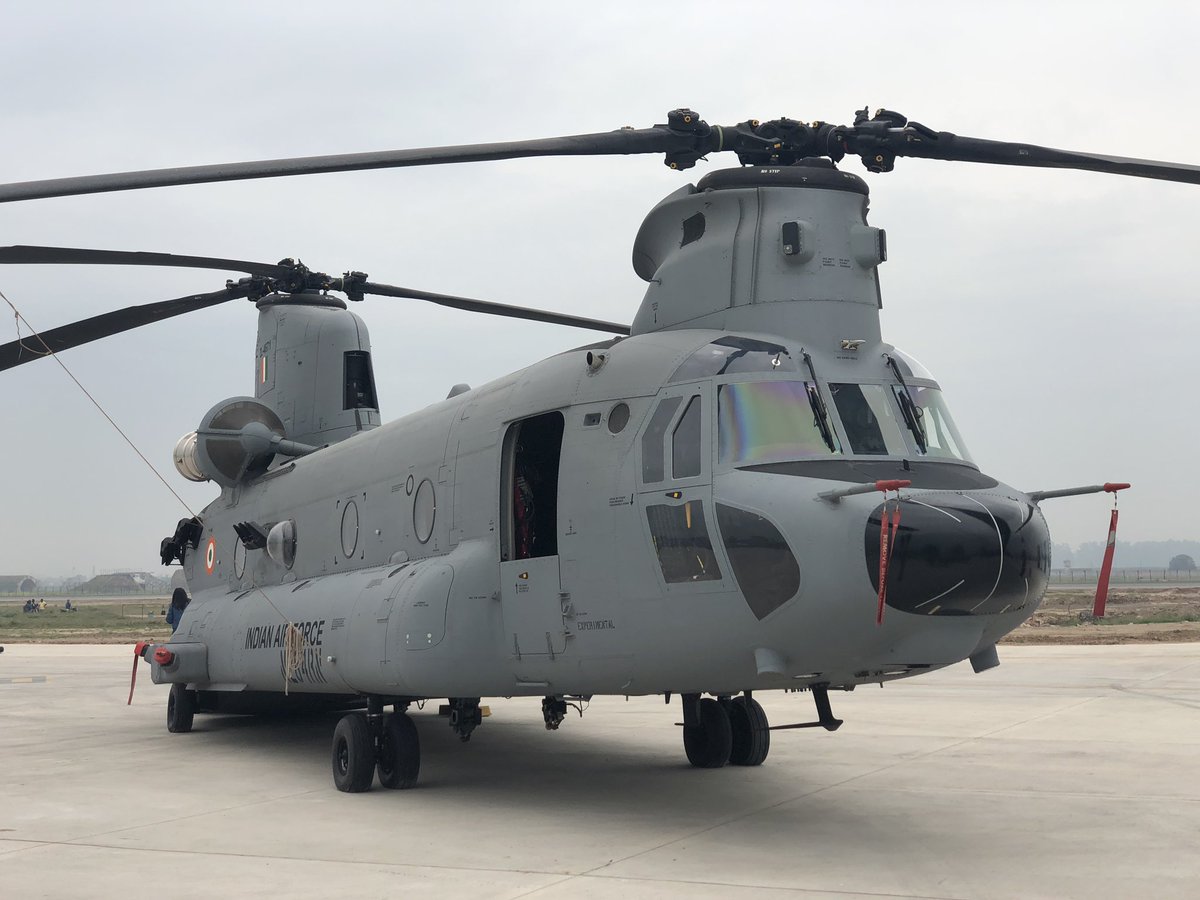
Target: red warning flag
x,y
1106,568
890,522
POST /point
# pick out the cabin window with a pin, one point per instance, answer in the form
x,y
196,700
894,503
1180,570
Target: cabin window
x,y
682,542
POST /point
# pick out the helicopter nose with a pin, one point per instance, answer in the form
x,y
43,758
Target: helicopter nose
x,y
962,554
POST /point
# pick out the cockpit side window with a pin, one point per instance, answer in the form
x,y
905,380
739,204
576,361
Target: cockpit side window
x,y
869,420
653,438
685,442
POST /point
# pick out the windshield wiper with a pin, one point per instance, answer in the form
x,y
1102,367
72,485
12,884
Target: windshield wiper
x,y
913,414
817,402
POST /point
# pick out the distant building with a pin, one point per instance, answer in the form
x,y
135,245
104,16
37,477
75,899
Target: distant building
x,y
124,583
18,584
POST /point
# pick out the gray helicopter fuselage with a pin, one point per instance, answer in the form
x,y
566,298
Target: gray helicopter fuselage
x,y
651,515
405,582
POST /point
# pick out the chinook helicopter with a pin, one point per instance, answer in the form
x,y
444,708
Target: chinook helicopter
x,y
746,489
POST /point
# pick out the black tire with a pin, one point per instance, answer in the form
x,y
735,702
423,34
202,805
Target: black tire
x,y
353,754
751,732
399,760
181,709
708,744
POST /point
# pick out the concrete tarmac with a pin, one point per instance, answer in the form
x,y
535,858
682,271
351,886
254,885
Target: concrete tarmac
x,y
1066,772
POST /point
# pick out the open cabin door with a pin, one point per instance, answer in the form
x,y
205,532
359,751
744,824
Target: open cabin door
x,y
530,590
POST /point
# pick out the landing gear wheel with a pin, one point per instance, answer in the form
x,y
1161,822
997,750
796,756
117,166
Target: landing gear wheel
x,y
708,744
353,754
181,709
751,732
399,753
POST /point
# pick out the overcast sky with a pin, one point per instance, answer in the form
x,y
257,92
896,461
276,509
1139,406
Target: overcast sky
x,y
1057,309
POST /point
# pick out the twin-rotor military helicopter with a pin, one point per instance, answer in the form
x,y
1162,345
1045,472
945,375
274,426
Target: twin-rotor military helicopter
x,y
747,489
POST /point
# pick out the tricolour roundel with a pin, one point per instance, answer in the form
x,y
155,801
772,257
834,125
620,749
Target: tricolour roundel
x,y
210,555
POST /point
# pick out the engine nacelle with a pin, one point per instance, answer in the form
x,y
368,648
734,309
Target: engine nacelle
x,y
184,456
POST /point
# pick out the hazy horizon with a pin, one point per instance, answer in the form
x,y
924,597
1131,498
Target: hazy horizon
x,y
1056,308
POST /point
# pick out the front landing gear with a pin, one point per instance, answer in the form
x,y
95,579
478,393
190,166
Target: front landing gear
x,y
707,733
716,732
364,744
751,732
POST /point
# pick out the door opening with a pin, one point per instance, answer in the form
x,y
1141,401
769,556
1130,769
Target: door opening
x,y
529,487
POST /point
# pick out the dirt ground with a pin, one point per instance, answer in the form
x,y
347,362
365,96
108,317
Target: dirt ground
x,y
1137,615
1132,616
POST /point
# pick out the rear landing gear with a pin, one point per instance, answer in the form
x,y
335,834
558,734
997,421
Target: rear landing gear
x,y
399,756
181,709
353,754
364,744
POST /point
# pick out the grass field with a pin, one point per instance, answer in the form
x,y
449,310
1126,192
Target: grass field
x,y
1134,616
96,622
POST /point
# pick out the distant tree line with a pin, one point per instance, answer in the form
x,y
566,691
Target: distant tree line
x,y
1178,556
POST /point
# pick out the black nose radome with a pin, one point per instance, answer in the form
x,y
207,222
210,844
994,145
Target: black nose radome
x,y
962,554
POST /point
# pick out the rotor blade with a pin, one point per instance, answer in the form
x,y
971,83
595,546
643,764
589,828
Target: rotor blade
x,y
22,255
659,139
495,309
921,143
27,349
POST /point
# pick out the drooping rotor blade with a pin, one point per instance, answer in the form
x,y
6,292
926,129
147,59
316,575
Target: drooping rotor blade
x,y
27,349
659,139
916,142
21,255
483,306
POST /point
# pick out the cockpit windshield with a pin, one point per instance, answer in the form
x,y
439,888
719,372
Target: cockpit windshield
x,y
869,418
941,435
770,421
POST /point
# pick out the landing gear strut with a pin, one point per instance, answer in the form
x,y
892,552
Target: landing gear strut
x,y
465,716
554,710
364,743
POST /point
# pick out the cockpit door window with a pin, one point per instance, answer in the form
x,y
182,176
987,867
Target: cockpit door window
x,y
676,443
682,542
653,470
686,442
